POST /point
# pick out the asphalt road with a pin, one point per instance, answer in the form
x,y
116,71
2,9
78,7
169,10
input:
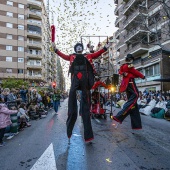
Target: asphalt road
x,y
112,149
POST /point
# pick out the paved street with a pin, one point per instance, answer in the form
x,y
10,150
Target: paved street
x,y
45,146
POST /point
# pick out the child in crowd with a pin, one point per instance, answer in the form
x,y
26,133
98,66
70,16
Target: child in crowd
x,y
4,120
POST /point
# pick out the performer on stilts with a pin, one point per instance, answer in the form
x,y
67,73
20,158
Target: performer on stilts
x,y
128,84
82,78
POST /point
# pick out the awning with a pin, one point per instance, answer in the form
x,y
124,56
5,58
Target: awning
x,y
163,80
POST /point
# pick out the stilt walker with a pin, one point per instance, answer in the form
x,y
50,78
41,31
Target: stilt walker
x,y
128,72
82,78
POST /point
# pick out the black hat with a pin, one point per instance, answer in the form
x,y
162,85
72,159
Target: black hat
x,y
129,56
78,47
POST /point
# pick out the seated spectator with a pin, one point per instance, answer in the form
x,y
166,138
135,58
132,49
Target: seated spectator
x,y
160,108
5,120
149,107
23,118
121,102
141,102
32,111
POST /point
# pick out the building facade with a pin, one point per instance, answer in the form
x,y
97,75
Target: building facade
x,y
25,40
141,25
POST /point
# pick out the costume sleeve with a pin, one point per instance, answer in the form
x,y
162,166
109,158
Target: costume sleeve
x,y
97,54
121,70
136,73
65,57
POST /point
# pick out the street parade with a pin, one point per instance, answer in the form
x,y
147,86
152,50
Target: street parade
x,y
84,85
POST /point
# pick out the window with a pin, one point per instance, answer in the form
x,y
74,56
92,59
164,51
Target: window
x,y
21,27
21,38
38,62
20,60
20,71
20,16
9,70
21,49
149,71
9,3
9,59
9,25
9,14
8,36
21,6
156,69
9,47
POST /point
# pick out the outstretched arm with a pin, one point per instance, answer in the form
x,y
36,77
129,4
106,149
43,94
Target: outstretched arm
x,y
62,55
98,53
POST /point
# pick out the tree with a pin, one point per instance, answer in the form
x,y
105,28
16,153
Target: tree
x,y
12,82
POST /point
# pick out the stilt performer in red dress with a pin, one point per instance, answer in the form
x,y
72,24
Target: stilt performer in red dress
x,y
82,78
128,72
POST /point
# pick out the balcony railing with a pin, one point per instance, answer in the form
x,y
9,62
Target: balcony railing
x,y
34,42
119,45
36,12
116,1
34,21
118,19
35,75
34,32
134,15
117,33
33,64
137,48
35,52
36,2
116,10
134,32
128,5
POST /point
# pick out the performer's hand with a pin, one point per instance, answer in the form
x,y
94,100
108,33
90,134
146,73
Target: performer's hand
x,y
125,74
54,47
107,45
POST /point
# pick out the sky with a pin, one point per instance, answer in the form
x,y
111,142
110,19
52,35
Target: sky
x,y
76,18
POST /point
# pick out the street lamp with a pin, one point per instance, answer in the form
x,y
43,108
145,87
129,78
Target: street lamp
x,y
112,91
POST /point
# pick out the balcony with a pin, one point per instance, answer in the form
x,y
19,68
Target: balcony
x,y
33,66
35,14
117,33
135,32
116,10
34,2
119,44
137,62
34,76
116,1
33,34
36,22
128,5
36,54
137,49
134,15
118,19
33,43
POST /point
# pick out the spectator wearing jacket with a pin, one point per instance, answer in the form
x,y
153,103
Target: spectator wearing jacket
x,y
23,94
56,98
5,120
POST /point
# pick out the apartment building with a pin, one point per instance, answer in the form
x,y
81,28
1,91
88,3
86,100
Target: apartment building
x,y
25,41
141,28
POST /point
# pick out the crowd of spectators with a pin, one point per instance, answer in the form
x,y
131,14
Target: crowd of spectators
x,y
19,106
150,103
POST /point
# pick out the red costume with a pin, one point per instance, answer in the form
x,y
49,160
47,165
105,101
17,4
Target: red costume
x,y
89,57
132,73
128,84
82,78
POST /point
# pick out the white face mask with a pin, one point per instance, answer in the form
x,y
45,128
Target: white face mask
x,y
79,48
